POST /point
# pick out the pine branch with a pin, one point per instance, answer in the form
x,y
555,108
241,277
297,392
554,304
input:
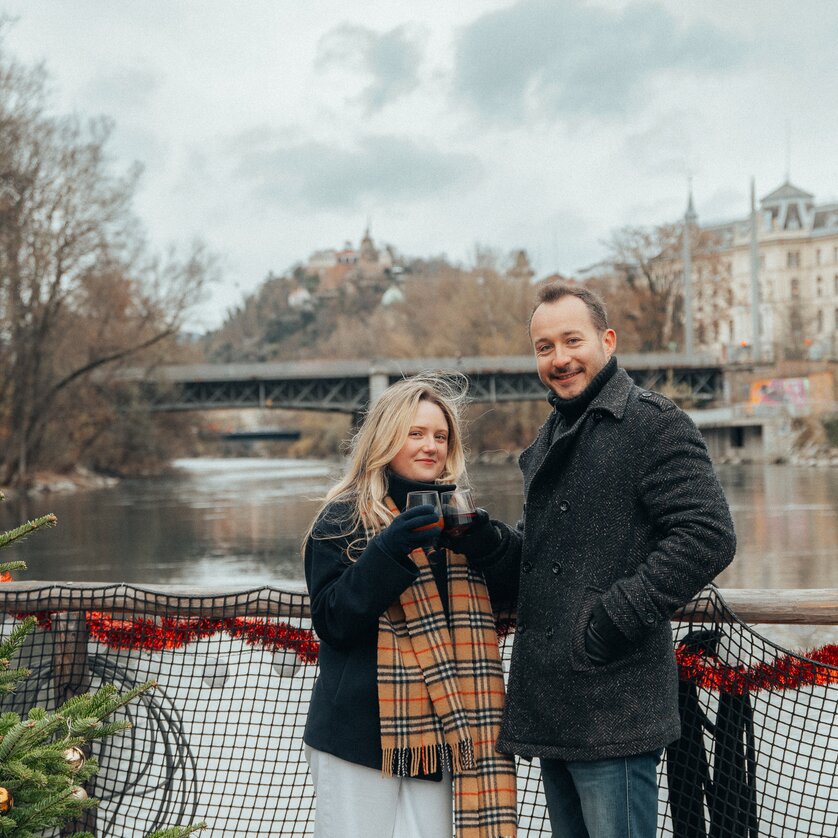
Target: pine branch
x,y
29,527
178,831
11,677
14,642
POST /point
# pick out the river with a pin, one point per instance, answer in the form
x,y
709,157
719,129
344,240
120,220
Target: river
x,y
239,521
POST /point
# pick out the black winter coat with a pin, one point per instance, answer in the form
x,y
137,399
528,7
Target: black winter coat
x,y
622,508
347,598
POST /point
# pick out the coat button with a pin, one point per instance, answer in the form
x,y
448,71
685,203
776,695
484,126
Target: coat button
x,y
526,567
521,628
651,619
564,506
556,567
549,632
597,415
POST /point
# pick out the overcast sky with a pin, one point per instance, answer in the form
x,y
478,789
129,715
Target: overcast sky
x,y
272,128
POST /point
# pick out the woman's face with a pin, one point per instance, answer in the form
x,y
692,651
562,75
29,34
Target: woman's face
x,y
423,455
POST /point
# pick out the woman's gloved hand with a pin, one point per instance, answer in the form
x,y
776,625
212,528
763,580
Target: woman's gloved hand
x,y
415,527
479,540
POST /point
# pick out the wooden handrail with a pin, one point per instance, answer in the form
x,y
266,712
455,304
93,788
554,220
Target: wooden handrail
x,y
801,606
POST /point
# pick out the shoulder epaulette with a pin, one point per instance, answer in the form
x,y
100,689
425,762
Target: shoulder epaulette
x,y
660,402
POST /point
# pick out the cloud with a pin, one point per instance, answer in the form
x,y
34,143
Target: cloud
x,y
122,88
317,175
566,59
391,59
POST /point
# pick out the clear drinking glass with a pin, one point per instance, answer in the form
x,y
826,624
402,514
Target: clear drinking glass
x,y
421,498
458,511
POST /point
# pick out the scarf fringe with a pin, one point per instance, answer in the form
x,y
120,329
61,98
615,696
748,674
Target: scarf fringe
x,y
426,759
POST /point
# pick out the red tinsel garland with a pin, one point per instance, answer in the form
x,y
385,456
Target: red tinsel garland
x,y
167,633
820,668
43,619
786,673
157,635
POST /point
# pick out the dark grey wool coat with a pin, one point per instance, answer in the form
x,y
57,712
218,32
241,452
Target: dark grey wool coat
x,y
624,508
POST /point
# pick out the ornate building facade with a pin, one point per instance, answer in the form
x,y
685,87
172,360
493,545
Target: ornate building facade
x,y
797,247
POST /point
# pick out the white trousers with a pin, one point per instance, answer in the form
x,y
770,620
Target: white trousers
x,y
358,802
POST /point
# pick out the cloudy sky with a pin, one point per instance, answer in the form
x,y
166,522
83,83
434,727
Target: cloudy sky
x,y
272,128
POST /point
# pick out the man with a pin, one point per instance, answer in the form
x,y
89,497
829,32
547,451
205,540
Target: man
x,y
624,521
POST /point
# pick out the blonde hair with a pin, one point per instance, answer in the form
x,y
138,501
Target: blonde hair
x,y
381,436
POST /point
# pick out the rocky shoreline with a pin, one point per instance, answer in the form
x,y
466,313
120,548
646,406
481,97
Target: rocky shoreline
x,y
50,482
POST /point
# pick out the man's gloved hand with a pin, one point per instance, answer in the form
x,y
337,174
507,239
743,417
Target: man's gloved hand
x,y
604,642
405,532
479,540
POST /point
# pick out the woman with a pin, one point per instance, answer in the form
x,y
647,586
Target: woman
x,y
410,690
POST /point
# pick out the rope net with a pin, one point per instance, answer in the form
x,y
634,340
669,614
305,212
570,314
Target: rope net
x,y
220,738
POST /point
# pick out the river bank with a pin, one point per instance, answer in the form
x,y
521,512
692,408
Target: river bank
x,y
83,479
52,482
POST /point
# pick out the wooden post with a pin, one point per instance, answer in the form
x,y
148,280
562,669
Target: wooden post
x,y
72,677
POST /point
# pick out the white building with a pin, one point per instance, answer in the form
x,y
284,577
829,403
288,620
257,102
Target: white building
x,y
798,277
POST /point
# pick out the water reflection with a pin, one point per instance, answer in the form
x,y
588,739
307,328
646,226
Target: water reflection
x,y
787,526
212,521
239,522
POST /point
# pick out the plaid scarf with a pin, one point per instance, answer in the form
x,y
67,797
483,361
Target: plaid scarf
x,y
441,692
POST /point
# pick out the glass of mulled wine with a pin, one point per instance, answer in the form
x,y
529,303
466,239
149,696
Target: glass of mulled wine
x,y
458,511
421,498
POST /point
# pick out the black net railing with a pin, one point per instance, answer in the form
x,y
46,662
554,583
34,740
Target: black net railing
x,y
220,737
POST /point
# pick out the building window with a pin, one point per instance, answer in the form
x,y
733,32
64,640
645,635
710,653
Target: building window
x,y
819,286
835,285
737,437
817,256
820,321
793,259
762,262
795,287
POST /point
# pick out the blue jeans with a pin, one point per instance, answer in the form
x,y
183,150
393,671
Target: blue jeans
x,y
606,798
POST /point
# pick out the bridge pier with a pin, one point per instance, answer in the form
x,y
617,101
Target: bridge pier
x,y
379,381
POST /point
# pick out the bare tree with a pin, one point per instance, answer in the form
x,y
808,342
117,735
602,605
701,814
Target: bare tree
x,y
648,262
77,290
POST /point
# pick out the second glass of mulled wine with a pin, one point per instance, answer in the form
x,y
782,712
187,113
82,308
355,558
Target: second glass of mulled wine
x,y
458,511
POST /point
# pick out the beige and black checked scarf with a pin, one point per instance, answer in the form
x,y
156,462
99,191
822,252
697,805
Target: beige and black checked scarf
x,y
440,694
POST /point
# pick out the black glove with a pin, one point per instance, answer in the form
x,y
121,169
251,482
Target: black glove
x,y
403,533
479,540
604,642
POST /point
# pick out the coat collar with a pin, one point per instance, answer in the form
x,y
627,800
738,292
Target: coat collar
x,y
614,396
612,399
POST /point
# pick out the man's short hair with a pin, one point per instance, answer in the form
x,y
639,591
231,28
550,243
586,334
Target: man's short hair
x,y
593,302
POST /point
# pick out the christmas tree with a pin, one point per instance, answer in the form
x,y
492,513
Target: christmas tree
x,y
44,756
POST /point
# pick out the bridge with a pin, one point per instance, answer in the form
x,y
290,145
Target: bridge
x,y
348,386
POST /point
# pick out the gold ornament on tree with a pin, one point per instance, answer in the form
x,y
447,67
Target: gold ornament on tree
x,y
74,757
6,801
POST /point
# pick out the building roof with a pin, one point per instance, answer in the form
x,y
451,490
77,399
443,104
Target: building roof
x,y
786,192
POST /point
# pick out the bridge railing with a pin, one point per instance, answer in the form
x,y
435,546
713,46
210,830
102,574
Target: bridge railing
x,y
348,386
220,738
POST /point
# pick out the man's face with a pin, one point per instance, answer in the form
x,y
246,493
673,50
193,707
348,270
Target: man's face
x,y
569,351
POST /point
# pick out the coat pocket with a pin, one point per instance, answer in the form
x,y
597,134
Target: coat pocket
x,y
333,672
579,659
